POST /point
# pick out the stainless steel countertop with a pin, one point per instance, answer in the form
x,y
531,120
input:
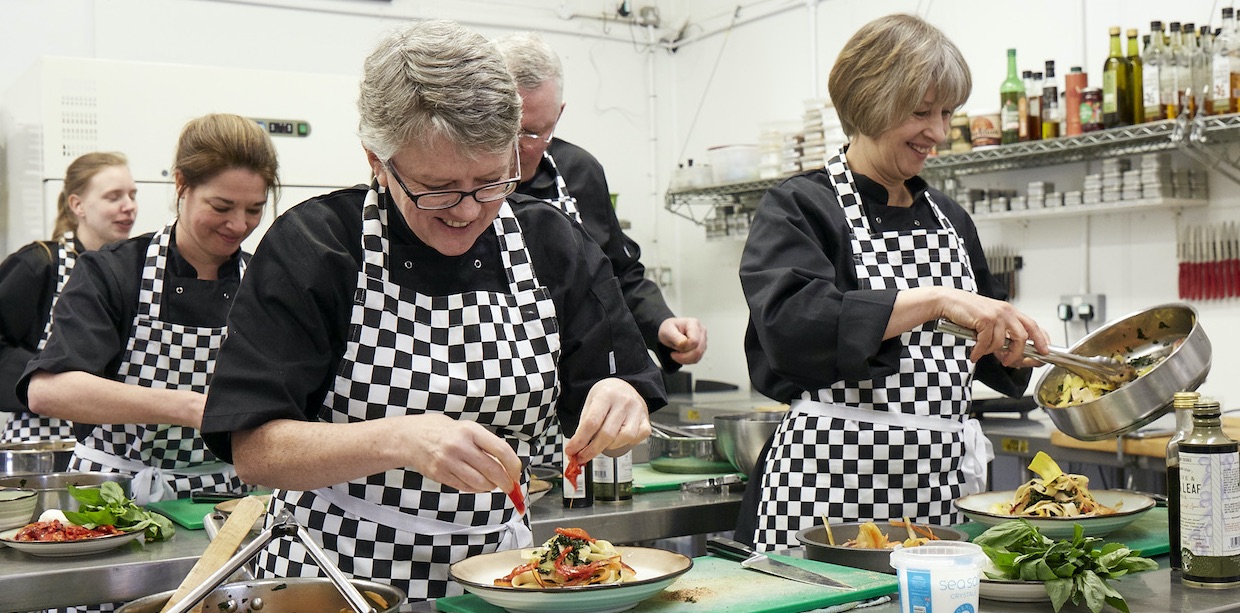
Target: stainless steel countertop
x,y
30,583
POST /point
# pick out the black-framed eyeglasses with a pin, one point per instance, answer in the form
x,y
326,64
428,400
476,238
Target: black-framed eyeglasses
x,y
439,200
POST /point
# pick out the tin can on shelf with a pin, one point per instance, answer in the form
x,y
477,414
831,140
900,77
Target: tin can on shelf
x,y
1091,109
961,140
985,129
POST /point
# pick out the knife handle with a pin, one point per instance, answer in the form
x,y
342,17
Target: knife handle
x,y
728,548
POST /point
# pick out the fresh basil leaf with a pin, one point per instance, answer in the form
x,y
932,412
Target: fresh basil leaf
x,y
1118,603
89,496
1095,591
111,492
1059,590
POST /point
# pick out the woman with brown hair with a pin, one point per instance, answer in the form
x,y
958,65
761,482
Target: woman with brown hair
x,y
97,206
139,323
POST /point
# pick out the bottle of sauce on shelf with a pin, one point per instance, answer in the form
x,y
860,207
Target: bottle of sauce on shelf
x,y
1153,61
1173,74
1033,97
1221,68
1074,85
1209,502
579,493
1202,60
1026,77
1011,96
1136,79
1182,403
1050,102
613,478
1115,112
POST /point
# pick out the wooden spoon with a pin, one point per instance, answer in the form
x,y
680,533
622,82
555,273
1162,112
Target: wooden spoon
x,y
221,548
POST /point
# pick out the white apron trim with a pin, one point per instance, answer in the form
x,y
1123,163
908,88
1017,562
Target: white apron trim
x,y
978,450
515,533
150,484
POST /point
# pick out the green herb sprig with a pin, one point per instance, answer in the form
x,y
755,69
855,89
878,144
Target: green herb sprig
x,y
107,505
1079,570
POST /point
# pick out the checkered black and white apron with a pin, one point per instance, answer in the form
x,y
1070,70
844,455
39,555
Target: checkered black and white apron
x,y
884,448
31,427
166,460
549,450
488,357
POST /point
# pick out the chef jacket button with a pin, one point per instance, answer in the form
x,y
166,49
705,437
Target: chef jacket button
x,y
180,290
225,295
477,263
878,220
917,222
408,265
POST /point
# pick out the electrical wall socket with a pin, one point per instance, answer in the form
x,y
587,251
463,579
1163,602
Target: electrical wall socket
x,y
1097,302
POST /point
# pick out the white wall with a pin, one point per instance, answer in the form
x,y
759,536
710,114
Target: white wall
x,y
716,89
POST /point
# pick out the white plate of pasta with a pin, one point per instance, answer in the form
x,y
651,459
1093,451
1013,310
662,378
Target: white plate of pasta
x,y
597,577
986,509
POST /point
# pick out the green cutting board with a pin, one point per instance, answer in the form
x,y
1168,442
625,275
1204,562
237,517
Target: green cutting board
x,y
1147,534
723,586
647,479
185,513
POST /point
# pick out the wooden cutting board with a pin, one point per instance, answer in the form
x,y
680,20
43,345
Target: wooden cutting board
x,y
716,585
1154,446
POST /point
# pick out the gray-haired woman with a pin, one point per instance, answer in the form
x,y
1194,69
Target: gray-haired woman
x,y
401,346
846,270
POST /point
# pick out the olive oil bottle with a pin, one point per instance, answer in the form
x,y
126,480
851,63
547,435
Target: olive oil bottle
x,y
1115,91
1182,404
1136,80
1050,102
1209,502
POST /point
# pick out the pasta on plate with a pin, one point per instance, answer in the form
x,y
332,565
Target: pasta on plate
x,y
570,558
1053,493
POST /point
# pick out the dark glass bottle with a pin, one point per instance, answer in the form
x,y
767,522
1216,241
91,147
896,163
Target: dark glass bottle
x,y
613,478
580,494
1209,502
1182,404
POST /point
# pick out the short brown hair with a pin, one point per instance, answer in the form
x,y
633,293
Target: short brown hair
x,y
77,179
884,71
212,144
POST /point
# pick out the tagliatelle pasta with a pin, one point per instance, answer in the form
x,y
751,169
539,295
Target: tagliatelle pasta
x,y
570,558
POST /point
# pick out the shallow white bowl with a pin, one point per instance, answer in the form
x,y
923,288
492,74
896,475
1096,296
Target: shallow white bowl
x,y
1129,506
656,569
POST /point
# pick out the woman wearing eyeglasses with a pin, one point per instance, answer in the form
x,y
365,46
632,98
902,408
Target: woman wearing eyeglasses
x,y
396,349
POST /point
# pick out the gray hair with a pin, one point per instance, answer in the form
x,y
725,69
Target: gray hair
x,y
437,78
532,61
884,71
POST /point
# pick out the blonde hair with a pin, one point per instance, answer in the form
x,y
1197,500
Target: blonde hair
x,y
885,70
214,143
532,61
437,78
77,180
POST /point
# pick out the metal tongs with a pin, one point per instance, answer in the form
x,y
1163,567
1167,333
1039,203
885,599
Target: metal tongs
x,y
1094,368
284,526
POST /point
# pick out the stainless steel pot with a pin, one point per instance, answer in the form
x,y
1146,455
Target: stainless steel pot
x,y
743,435
1138,402
35,458
298,595
53,488
687,454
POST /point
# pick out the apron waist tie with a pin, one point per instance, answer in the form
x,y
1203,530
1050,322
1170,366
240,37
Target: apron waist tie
x,y
978,450
515,533
150,483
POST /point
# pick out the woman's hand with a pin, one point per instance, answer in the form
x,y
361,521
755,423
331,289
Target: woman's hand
x,y
685,336
1001,328
614,419
457,453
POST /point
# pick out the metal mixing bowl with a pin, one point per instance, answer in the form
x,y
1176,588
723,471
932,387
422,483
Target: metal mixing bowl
x,y
741,436
300,595
1145,399
53,489
36,458
688,454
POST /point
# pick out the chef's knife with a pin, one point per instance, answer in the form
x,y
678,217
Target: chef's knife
x,y
728,548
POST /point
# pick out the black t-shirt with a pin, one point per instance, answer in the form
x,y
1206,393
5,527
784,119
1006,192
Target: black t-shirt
x,y
586,182
810,323
27,282
289,326
94,315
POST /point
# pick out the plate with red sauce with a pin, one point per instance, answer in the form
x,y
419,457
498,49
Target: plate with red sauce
x,y
79,547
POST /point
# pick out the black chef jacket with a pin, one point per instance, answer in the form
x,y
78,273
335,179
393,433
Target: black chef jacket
x,y
95,313
583,174
27,281
289,326
809,323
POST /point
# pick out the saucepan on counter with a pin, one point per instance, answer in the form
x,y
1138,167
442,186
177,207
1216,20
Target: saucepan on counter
x,y
297,595
53,488
38,458
1169,348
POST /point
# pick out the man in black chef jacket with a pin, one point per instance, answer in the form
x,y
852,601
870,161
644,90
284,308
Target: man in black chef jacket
x,y
567,176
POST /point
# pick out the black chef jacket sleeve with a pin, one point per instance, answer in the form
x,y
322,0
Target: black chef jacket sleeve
x,y
27,281
587,182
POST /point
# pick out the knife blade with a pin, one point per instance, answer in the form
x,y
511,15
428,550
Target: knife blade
x,y
753,560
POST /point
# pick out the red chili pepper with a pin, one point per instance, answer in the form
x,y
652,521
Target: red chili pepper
x,y
575,572
575,533
518,499
571,471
